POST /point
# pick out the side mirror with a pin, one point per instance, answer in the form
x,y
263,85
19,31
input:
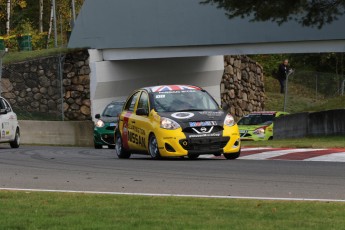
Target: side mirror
x,y
3,111
98,116
142,112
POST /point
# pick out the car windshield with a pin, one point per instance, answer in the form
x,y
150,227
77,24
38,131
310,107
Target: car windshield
x,y
257,119
186,100
112,110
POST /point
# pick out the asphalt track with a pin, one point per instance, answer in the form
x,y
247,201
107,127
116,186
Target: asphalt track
x,y
87,169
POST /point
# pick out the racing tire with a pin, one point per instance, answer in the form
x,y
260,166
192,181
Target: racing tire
x,y
193,156
97,146
153,147
232,156
16,142
111,146
120,151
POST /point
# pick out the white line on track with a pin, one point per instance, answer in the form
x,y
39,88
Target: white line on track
x,y
170,195
270,154
334,157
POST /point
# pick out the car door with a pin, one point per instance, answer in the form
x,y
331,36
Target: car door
x,y
126,121
141,124
5,126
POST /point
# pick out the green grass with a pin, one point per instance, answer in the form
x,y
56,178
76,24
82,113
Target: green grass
x,y
14,57
309,142
36,210
300,99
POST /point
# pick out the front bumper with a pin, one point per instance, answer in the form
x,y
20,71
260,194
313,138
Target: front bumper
x,y
103,137
250,136
180,145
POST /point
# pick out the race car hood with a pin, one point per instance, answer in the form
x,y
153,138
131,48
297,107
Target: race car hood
x,y
196,118
249,127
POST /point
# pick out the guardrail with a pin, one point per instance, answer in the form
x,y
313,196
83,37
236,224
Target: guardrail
x,y
323,123
70,133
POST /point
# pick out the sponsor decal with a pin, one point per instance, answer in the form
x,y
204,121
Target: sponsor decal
x,y
136,135
182,115
202,123
136,139
212,113
136,129
160,96
205,135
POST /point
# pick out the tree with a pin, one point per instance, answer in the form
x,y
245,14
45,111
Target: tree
x,y
8,10
306,12
40,20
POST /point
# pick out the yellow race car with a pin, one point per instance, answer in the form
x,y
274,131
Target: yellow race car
x,y
175,121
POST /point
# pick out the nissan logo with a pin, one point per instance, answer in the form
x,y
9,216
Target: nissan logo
x,y
203,129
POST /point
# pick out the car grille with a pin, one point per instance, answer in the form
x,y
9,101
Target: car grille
x,y
204,144
204,129
108,138
112,128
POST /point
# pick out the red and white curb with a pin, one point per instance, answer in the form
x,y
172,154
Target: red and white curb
x,y
297,154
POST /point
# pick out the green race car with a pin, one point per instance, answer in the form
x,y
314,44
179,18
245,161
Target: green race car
x,y
258,126
105,125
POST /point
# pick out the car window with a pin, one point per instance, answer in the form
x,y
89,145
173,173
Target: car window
x,y
144,101
257,119
187,100
8,107
2,104
112,110
131,102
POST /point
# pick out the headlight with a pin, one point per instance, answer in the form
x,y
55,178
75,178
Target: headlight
x,y
99,123
259,131
229,120
167,123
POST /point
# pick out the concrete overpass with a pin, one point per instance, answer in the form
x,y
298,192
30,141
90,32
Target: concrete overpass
x,y
139,43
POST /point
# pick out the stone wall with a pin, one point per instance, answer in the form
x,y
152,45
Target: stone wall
x,y
35,86
76,82
242,86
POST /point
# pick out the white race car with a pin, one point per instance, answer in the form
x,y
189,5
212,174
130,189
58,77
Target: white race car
x,y
9,128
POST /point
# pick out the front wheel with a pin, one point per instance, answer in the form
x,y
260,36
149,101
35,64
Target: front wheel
x,y
16,142
153,147
120,151
232,156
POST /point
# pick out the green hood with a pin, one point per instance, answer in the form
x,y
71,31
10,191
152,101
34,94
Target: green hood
x,y
249,127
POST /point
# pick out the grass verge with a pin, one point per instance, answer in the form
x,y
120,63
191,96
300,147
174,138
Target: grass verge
x,y
308,142
37,210
14,57
300,99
